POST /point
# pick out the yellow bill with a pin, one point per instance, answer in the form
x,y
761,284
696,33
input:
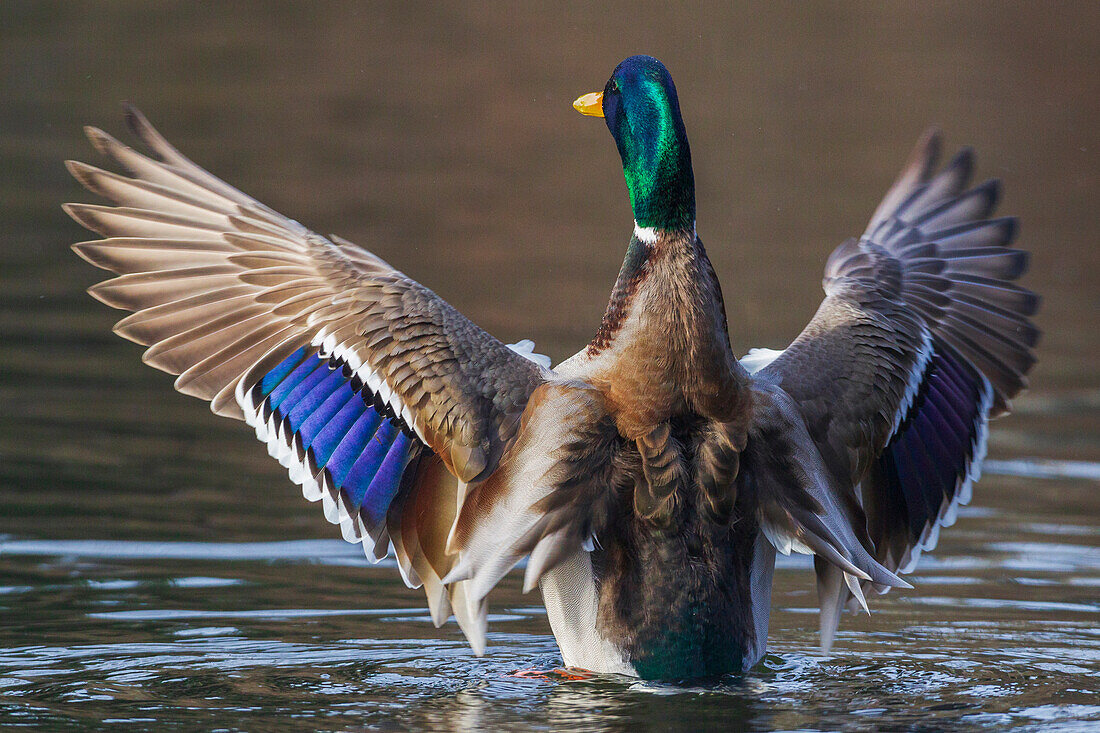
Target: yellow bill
x,y
590,104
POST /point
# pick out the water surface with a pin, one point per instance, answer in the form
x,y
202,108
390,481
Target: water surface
x,y
157,570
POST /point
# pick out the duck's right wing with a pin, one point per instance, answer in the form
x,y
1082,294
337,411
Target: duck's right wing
x,y
383,401
923,336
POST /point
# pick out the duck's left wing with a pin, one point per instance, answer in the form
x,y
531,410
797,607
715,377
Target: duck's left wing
x,y
383,401
923,336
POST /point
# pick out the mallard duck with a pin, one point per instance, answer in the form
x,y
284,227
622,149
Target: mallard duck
x,y
650,479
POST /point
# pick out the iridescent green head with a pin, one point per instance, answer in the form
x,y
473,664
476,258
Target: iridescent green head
x,y
642,111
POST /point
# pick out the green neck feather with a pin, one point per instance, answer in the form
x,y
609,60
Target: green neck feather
x,y
653,145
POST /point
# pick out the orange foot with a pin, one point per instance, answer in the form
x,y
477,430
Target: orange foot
x,y
568,674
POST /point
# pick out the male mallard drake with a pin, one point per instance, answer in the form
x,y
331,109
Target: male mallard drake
x,y
650,478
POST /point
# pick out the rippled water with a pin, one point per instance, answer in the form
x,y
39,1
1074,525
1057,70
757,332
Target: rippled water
x,y
157,570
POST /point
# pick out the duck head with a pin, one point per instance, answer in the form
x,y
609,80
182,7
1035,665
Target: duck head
x,y
642,111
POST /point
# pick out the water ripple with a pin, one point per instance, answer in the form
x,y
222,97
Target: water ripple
x,y
1043,468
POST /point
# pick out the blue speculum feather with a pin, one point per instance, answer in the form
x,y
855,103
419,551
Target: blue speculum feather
x,y
279,373
360,473
929,454
387,481
324,415
337,422
357,439
328,440
292,380
299,396
311,402
939,462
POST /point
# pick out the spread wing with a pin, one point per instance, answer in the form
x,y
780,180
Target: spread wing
x,y
383,401
923,336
